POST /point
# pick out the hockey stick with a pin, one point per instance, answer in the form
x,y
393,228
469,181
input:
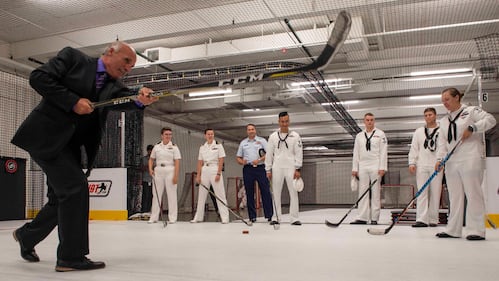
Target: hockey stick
x,y
379,231
330,224
159,202
337,38
248,223
276,223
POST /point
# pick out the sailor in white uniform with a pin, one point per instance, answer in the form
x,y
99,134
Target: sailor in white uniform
x,y
167,157
369,163
422,158
283,161
209,172
464,169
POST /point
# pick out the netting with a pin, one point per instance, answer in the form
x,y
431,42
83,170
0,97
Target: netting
x,y
489,55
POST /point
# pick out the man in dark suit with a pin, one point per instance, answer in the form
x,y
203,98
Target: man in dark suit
x,y
54,133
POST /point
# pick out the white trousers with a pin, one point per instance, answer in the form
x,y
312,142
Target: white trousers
x,y
163,179
464,178
278,177
208,175
428,202
369,209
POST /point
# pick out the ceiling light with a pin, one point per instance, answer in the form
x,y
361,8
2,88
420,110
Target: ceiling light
x,y
251,109
438,77
210,92
441,71
315,148
342,102
426,97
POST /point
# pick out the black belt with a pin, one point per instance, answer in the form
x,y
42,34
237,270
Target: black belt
x,y
250,165
162,165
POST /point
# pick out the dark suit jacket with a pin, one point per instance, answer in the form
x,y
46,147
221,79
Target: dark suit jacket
x,y
61,82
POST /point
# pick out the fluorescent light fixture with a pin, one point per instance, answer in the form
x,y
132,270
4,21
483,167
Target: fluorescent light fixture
x,y
441,71
425,97
212,97
438,77
251,109
342,102
295,84
210,92
315,148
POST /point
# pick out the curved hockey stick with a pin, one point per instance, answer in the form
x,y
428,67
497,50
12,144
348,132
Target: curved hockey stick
x,y
248,223
338,36
379,231
330,224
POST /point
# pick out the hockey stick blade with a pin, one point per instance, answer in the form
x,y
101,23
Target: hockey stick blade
x,y
330,224
375,231
491,223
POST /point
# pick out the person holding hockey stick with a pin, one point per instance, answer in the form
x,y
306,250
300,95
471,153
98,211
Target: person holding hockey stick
x,y
55,134
422,158
254,171
209,172
464,171
283,161
146,183
370,158
167,157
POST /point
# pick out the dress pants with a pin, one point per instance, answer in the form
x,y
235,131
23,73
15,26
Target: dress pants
x,y
464,178
278,177
208,175
146,197
163,179
428,202
257,174
67,208
369,209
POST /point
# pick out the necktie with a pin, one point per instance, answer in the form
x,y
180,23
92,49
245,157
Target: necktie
x,y
282,140
368,140
429,142
453,127
100,80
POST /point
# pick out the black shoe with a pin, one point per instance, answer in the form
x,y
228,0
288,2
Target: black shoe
x,y
253,220
474,237
374,222
296,223
444,235
420,224
269,219
84,264
433,225
359,222
273,222
27,254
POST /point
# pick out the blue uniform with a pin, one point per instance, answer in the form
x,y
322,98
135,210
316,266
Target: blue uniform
x,y
249,151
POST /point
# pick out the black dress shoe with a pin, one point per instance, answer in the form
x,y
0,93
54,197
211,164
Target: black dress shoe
x,y
253,220
433,225
474,237
444,235
27,254
83,264
273,222
296,223
359,222
374,222
420,224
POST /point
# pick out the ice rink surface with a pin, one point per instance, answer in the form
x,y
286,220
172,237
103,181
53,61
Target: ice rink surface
x,y
135,250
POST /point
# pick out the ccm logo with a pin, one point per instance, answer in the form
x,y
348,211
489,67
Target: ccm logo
x,y
240,80
99,188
